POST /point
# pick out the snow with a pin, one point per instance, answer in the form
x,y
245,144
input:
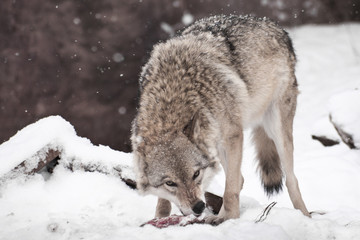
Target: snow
x,y
92,205
324,128
345,112
167,28
56,133
28,144
187,19
118,57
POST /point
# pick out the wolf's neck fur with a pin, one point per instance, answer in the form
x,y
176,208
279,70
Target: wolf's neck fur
x,y
167,106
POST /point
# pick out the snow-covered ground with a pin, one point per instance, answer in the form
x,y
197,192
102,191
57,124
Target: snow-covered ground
x,y
91,205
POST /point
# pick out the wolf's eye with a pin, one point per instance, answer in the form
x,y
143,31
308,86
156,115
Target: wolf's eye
x,y
171,184
196,174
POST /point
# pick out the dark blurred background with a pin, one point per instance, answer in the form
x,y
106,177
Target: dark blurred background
x,y
81,58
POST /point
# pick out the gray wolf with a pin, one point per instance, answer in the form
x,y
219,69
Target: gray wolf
x,y
199,91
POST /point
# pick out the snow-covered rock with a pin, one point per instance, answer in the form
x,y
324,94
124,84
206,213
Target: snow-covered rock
x,y
345,115
342,122
32,143
324,132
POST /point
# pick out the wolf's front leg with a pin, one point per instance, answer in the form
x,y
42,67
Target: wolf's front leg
x,y
234,179
163,208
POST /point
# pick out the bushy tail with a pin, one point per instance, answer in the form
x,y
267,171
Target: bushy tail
x,y
269,165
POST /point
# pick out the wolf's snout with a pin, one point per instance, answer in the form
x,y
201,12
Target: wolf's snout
x,y
199,207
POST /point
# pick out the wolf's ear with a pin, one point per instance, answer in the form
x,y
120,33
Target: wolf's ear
x,y
202,131
192,129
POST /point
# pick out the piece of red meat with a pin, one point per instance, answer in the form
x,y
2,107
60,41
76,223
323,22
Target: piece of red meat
x,y
173,220
213,203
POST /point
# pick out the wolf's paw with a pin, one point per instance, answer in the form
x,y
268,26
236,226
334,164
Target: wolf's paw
x,y
222,216
315,213
214,220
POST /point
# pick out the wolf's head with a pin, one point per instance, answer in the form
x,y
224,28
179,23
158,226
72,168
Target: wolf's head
x,y
175,170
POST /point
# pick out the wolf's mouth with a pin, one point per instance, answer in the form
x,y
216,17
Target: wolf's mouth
x,y
182,213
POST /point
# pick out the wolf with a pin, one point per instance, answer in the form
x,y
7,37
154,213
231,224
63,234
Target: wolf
x,y
198,92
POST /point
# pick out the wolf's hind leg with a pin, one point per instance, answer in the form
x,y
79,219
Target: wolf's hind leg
x,y
278,124
163,208
269,165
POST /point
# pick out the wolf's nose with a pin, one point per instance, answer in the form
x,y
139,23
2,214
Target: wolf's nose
x,y
199,207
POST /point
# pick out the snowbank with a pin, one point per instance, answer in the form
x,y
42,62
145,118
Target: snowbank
x,y
91,205
345,115
342,122
32,143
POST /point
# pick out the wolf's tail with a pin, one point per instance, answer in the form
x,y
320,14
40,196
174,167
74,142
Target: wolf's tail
x,y
269,165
